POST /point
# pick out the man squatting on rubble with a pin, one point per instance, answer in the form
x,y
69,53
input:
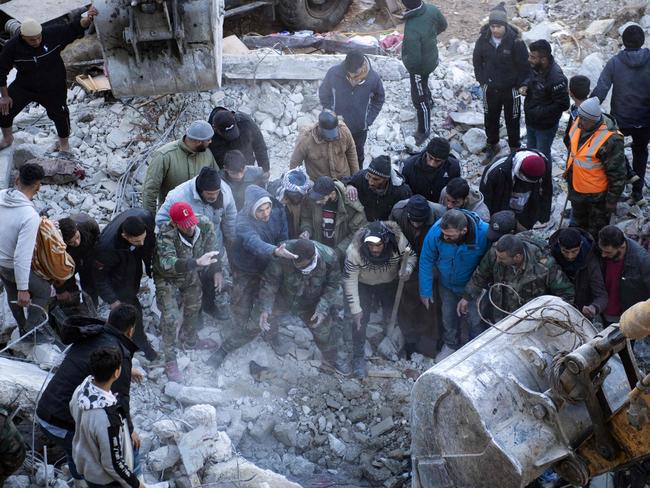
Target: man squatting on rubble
x,y
342,214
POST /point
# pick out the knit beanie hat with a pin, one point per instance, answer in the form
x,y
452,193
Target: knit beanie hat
x,y
412,4
498,15
380,166
533,166
417,209
590,109
303,248
439,147
208,180
579,86
633,37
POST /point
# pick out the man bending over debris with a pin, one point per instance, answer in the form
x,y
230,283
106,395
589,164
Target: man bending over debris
x,y
124,246
36,55
372,268
310,288
53,412
102,445
186,254
20,223
261,227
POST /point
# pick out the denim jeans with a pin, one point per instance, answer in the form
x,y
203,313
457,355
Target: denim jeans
x,y
542,140
451,321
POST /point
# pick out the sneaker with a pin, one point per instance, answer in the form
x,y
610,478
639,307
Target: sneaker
x,y
217,358
636,199
173,373
633,179
445,352
421,137
359,368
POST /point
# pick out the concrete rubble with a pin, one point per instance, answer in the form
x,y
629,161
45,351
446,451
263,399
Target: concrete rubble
x,y
283,422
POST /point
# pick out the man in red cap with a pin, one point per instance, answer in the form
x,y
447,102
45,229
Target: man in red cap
x,y
521,182
186,250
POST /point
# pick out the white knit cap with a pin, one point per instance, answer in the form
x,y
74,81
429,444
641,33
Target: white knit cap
x,y
590,109
30,27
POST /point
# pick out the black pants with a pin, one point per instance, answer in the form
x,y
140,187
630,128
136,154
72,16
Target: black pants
x,y
139,337
55,104
640,139
384,294
506,99
422,101
360,142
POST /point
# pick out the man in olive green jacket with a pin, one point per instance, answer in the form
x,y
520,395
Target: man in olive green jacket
x,y
330,217
177,162
420,57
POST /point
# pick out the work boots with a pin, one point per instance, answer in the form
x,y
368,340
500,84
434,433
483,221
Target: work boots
x,y
173,373
359,368
332,361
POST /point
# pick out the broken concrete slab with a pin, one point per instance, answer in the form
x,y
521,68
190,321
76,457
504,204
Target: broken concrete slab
x,y
247,475
599,28
163,458
264,66
201,415
471,119
6,167
382,427
201,444
47,9
475,140
20,383
543,30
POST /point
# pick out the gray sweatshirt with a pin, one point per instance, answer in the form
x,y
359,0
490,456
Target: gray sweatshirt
x,y
101,448
20,223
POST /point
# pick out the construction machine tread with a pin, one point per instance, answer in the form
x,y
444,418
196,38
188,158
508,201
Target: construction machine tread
x,y
301,14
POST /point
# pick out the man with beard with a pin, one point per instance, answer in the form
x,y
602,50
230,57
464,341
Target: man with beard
x,y
125,245
211,198
291,191
378,188
576,253
240,176
330,217
452,250
626,270
547,97
176,162
371,272
415,217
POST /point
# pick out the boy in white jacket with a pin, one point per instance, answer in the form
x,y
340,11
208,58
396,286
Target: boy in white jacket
x,y
101,447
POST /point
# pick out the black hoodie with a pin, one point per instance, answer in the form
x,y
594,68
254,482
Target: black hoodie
x,y
547,97
505,66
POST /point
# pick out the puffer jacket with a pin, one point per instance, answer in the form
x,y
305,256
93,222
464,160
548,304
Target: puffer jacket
x,y
222,213
256,240
587,277
455,263
547,97
358,105
475,202
502,67
378,206
350,217
420,46
169,166
336,159
427,181
250,141
629,74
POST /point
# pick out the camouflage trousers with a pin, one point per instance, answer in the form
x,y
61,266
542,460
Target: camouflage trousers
x,y
590,216
12,447
242,329
171,315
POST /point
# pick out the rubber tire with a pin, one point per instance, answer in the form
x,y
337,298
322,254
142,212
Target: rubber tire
x,y
295,15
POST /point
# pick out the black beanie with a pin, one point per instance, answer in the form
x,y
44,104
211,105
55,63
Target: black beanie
x,y
579,86
208,180
303,248
380,166
417,209
438,147
411,4
633,37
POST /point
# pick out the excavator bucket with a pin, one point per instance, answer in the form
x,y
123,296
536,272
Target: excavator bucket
x,y
156,47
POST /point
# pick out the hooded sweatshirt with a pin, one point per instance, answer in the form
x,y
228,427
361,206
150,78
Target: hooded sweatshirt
x,y
475,202
629,73
20,223
256,240
101,447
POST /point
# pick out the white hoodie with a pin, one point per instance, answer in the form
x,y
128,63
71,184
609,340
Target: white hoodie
x,y
20,223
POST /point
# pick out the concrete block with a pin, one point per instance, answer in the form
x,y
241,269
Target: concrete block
x,y
6,166
199,445
250,475
21,381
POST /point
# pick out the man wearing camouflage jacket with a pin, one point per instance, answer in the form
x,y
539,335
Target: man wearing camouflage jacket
x,y
12,447
310,288
527,270
186,253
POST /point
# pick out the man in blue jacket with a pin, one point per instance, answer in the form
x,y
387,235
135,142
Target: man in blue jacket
x,y
453,248
627,73
354,91
261,227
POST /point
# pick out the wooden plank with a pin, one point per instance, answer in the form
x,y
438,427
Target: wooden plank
x,y
47,9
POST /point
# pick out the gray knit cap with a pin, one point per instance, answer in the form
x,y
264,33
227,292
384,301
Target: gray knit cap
x,y
590,109
498,15
200,130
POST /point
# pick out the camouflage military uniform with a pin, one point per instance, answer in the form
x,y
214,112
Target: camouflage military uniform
x,y
174,269
541,275
284,289
12,447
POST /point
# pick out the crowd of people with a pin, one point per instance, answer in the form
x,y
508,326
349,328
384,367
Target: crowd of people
x,y
330,240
